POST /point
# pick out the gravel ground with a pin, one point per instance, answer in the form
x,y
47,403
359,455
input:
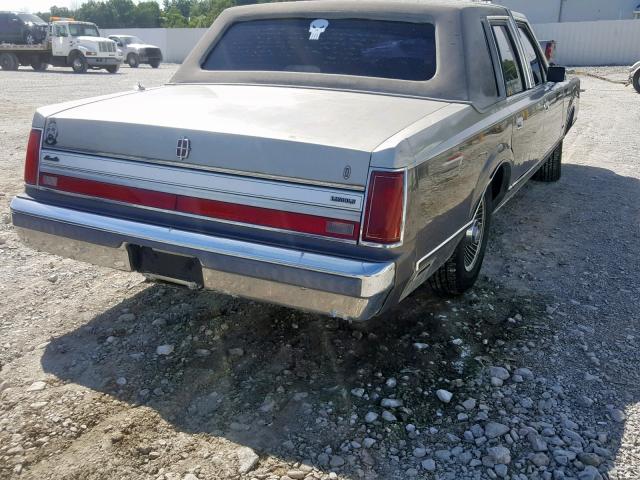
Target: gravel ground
x,y
533,374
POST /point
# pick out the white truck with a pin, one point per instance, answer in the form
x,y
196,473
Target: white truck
x,y
69,43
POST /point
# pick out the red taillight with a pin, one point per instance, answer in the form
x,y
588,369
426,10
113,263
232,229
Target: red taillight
x,y
385,208
33,158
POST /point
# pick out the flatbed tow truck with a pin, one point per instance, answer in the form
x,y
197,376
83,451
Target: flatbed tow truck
x,y
69,43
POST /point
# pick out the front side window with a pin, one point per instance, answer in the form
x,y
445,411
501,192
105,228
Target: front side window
x,y
83,30
360,47
511,70
531,55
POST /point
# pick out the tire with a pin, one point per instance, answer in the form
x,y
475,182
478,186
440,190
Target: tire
x,y
636,80
9,61
79,63
133,60
39,66
551,169
154,63
112,68
461,271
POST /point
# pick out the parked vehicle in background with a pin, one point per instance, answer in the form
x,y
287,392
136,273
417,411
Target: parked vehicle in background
x,y
22,28
634,76
137,52
327,156
67,43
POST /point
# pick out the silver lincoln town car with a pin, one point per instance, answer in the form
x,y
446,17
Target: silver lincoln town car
x,y
330,156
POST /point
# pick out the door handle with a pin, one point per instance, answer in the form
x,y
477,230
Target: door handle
x,y
519,122
51,159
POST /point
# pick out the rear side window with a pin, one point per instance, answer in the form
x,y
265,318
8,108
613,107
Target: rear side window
x,y
511,70
367,48
532,56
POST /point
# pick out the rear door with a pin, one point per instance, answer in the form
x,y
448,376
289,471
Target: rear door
x,y
524,101
533,65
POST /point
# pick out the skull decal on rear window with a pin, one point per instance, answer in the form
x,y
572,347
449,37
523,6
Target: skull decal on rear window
x,y
317,28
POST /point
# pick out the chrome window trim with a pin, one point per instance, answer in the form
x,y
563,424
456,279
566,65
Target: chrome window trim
x,y
200,217
404,208
197,167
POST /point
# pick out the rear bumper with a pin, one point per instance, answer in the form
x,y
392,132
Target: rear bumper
x,y
344,288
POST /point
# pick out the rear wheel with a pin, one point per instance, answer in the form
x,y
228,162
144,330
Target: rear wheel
x,y
551,169
154,63
461,271
133,60
79,64
112,68
636,80
9,61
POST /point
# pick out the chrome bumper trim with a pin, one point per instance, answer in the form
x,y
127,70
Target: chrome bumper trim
x,y
333,286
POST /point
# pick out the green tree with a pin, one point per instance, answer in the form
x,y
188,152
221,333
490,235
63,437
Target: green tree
x,y
147,15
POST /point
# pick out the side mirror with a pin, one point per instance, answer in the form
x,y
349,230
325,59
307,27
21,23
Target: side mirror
x,y
556,74
119,44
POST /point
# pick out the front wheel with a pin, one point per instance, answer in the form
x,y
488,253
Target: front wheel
x,y
636,80
112,68
154,63
133,60
29,38
79,64
551,169
461,271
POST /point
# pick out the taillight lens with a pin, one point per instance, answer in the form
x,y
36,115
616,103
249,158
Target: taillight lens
x,y
33,158
385,208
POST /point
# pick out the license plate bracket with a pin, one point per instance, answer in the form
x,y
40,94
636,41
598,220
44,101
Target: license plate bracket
x,y
166,266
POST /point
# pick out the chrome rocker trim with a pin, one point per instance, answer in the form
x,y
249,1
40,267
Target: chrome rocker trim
x,y
344,288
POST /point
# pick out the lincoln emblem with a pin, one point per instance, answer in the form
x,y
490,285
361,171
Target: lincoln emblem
x,y
184,148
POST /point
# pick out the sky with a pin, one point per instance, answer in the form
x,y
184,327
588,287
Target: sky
x,y
37,5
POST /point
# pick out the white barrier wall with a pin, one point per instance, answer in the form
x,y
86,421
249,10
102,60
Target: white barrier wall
x,y
175,43
613,42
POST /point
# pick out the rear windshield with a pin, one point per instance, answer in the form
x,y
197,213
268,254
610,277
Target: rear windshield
x,y
26,17
366,48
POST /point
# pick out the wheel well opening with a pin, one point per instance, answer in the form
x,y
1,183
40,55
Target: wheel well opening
x,y
499,184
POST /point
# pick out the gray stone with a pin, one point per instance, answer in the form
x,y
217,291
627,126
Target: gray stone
x,y
368,442
525,373
429,465
358,392
165,350
411,472
388,416
390,403
494,429
443,455
496,382
540,460
336,461
371,417
590,459
236,352
501,470
469,403
590,473
499,455
419,452
537,442
499,372
247,460
37,386
444,395
391,382
618,415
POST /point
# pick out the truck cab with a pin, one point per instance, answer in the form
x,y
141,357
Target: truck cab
x,y
79,45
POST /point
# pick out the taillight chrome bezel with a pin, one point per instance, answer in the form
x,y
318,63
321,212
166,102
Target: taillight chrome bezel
x,y
368,192
36,180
